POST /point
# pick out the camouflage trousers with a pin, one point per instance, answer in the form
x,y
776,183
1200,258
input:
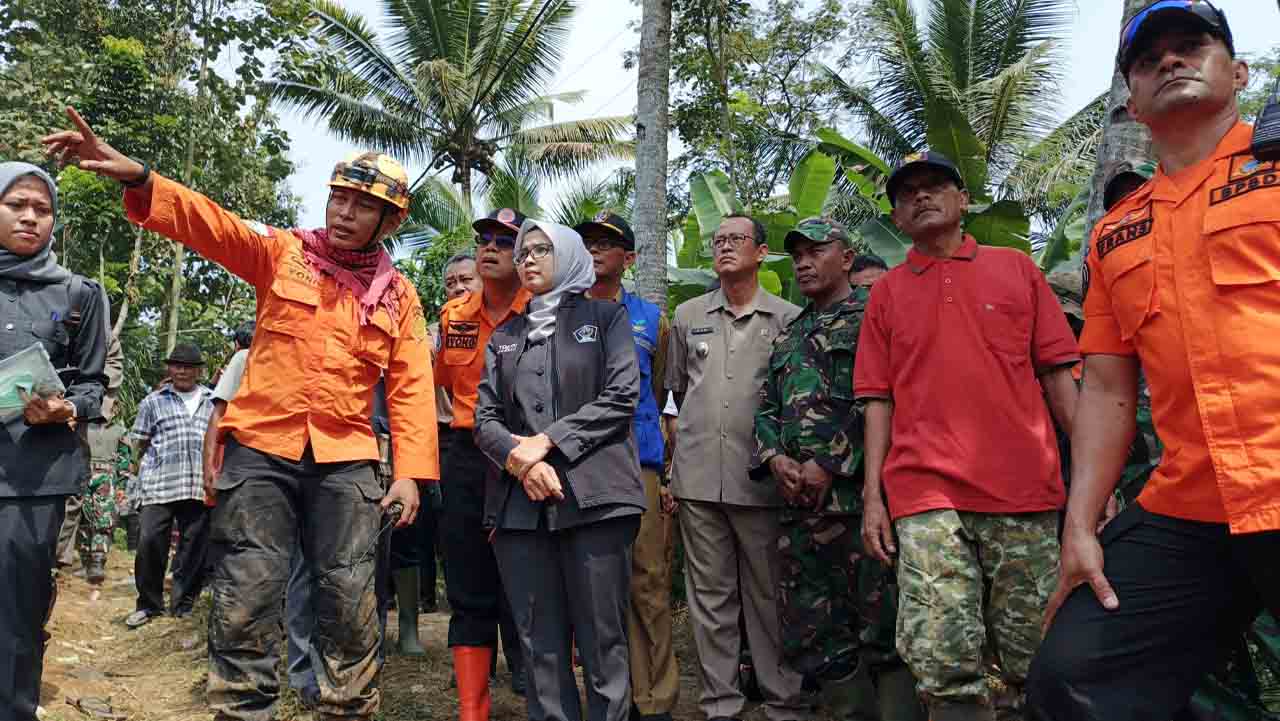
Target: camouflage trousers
x,y
973,587
837,604
94,534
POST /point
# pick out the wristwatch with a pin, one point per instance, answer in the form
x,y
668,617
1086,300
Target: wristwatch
x,y
141,179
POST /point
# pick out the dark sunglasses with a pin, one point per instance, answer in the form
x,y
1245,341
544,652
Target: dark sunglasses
x,y
502,240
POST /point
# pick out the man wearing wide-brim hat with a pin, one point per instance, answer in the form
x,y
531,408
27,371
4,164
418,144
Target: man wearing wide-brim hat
x,y
169,437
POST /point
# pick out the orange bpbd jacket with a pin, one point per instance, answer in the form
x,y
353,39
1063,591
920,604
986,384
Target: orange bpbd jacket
x,y
312,366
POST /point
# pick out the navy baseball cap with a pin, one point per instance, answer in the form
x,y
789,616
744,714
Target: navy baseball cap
x,y
928,158
1143,26
611,223
502,219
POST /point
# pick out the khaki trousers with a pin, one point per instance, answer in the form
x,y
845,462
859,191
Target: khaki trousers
x,y
731,561
655,679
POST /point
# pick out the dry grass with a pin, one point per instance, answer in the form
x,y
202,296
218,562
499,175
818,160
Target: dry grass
x,y
158,673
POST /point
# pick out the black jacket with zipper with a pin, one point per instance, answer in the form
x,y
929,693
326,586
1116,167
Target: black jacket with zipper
x,y
597,386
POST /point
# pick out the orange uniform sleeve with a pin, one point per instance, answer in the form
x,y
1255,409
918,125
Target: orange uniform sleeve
x,y
248,250
1101,332
411,397
872,376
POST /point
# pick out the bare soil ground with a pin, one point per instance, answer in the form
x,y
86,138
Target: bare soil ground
x,y
158,672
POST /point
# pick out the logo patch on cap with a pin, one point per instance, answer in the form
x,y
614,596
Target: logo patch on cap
x,y
506,215
602,216
913,158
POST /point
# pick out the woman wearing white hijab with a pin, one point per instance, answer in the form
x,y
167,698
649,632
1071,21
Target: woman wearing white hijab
x,y
555,411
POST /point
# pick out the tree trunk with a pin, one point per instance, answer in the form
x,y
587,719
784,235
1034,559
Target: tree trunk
x,y
188,168
130,282
1123,138
652,90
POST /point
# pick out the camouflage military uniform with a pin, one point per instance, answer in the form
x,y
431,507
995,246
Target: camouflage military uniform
x,y
807,412
95,531
837,604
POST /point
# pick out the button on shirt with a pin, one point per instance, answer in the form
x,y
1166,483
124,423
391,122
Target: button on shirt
x,y
719,362
957,344
1185,273
171,469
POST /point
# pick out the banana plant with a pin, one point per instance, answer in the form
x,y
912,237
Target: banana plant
x,y
714,198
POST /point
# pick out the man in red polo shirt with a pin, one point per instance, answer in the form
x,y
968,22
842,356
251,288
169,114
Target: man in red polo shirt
x,y
959,348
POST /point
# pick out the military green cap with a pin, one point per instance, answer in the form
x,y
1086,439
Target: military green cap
x,y
818,230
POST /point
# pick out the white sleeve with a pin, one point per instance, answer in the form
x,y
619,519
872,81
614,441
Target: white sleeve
x,y
229,383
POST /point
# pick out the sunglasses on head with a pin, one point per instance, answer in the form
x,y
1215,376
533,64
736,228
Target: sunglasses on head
x,y
1201,8
502,240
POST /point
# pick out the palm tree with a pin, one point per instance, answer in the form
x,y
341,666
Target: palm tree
x,y
978,85
453,85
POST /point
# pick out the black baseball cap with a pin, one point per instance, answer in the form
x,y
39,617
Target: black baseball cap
x,y
500,219
927,158
612,223
1137,34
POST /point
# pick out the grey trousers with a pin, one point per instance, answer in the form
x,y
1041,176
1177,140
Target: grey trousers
x,y
565,587
731,562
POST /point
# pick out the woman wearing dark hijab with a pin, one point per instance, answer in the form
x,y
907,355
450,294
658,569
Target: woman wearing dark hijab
x,y
555,411
42,461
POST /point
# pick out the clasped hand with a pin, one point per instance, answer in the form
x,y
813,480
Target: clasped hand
x,y
802,484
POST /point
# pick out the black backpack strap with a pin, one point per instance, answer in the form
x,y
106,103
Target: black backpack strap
x,y
76,303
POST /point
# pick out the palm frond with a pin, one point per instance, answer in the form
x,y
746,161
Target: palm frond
x,y
347,34
436,206
1009,109
610,129
905,83
1065,157
514,183
884,137
581,201
352,118
1013,27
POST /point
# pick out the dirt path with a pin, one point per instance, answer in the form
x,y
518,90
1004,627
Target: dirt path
x,y
158,672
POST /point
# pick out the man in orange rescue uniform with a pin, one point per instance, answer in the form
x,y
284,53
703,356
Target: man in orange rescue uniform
x,y
333,316
1183,275
470,568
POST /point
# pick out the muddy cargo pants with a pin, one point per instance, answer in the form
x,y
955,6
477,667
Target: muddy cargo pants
x,y
265,504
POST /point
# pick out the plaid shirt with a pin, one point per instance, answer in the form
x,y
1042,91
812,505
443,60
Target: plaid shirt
x,y
171,470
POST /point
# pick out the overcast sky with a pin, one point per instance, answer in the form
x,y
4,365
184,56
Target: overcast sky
x,y
593,62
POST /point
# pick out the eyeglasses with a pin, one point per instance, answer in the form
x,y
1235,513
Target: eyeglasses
x,y
537,252
731,240
603,242
502,240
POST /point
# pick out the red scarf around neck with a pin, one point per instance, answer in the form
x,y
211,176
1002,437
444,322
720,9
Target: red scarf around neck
x,y
368,274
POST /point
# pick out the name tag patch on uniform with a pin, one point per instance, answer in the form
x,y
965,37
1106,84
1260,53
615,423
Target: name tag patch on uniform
x,y
587,334
462,334
702,331
507,348
1247,175
1135,224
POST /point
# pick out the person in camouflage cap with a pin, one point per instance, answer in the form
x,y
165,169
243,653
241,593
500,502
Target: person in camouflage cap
x,y
837,604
